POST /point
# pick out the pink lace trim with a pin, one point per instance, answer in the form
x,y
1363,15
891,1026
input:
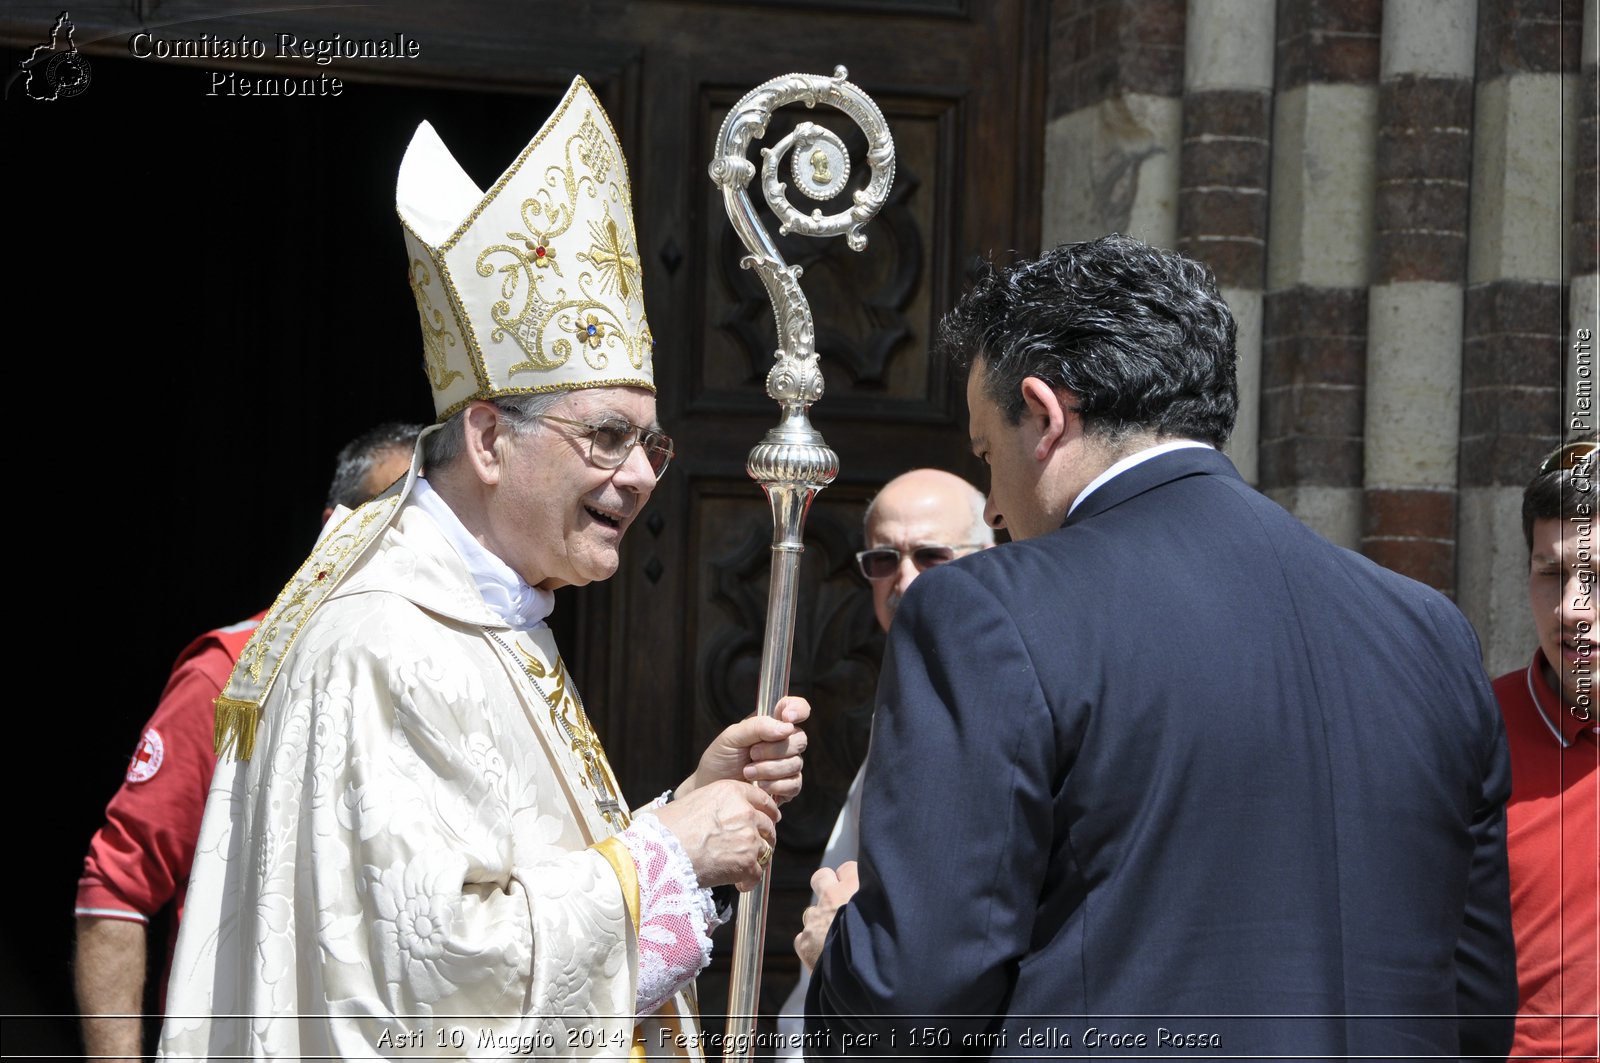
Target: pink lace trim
x,y
674,913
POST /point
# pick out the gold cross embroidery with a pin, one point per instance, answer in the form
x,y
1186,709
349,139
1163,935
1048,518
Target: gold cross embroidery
x,y
611,257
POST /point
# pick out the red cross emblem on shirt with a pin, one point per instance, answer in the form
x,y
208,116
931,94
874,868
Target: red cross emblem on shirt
x,y
147,758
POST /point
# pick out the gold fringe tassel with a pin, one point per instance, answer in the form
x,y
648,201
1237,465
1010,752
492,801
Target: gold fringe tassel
x,y
236,727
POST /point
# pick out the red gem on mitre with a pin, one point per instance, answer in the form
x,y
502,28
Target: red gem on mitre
x,y
539,251
323,574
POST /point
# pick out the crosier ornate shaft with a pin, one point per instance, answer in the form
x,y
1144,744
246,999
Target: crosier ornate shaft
x,y
793,462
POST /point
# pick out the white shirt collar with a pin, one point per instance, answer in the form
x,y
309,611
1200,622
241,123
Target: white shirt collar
x,y
506,594
1136,458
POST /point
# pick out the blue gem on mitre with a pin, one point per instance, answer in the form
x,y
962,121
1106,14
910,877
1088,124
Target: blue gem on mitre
x,y
590,331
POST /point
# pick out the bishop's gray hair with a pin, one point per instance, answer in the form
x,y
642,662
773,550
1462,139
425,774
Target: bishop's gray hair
x,y
521,412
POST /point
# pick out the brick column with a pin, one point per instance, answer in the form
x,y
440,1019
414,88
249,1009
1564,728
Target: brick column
x,y
1111,139
1223,172
1313,368
1414,306
1515,331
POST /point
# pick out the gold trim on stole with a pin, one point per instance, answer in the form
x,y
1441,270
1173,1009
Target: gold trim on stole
x,y
567,720
621,862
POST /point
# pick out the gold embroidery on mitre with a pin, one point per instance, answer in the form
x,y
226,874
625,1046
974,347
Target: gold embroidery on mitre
x,y
647,346
545,272
435,336
530,300
591,330
607,253
547,219
595,152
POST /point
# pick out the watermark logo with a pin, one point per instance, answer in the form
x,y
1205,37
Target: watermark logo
x,y
55,70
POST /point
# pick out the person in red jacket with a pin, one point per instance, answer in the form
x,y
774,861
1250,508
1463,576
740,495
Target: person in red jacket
x,y
139,860
1553,730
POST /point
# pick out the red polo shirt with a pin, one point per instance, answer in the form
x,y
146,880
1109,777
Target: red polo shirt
x,y
1553,837
140,859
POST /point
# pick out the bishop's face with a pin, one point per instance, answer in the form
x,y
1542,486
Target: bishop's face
x,y
556,517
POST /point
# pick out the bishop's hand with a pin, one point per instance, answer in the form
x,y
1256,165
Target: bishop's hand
x,y
727,828
765,750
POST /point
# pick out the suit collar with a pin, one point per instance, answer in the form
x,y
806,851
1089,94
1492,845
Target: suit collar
x,y
1162,469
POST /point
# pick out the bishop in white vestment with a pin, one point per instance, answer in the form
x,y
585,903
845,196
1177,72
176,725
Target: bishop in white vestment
x,y
421,850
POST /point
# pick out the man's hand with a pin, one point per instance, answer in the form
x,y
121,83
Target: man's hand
x,y
764,750
727,828
832,891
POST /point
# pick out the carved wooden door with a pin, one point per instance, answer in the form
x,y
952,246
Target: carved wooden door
x,y
670,648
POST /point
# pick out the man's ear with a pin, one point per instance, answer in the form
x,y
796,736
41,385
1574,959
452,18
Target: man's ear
x,y
482,429
1056,414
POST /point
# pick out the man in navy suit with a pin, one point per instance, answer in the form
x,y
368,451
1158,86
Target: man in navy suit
x,y
1171,774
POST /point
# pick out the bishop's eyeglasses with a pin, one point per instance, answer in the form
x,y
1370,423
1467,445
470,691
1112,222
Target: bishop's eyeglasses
x,y
610,441
882,562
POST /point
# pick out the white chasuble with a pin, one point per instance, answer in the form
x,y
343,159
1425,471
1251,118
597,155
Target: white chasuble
x,y
406,865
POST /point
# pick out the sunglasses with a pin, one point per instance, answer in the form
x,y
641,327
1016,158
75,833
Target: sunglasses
x,y
1568,457
610,442
882,562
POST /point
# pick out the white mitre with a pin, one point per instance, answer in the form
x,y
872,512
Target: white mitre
x,y
534,286
531,287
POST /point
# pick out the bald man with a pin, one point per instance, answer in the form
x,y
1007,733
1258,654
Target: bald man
x,y
921,519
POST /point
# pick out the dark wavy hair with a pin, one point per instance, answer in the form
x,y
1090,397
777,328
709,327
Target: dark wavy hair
x,y
1139,335
359,455
1561,492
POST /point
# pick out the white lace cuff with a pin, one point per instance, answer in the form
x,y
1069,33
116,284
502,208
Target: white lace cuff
x,y
674,941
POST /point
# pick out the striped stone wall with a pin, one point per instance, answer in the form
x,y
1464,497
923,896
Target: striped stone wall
x,y
1313,375
1223,175
1416,300
1524,124
1399,200
1114,118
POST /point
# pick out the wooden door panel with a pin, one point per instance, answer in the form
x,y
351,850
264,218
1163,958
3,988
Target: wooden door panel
x,y
837,645
690,603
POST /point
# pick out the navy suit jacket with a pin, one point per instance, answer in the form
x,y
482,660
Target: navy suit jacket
x,y
1183,770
